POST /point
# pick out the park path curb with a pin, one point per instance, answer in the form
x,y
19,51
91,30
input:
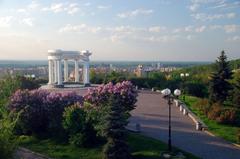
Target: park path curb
x,y
211,134
23,153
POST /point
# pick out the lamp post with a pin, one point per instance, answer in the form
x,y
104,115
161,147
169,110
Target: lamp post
x,y
184,76
167,94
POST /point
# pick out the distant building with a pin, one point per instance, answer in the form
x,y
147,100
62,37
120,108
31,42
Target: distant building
x,y
158,65
139,71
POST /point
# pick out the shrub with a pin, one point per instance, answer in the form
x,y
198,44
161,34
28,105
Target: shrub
x,y
202,105
215,111
9,84
74,119
196,89
42,110
27,83
99,98
81,132
8,141
125,90
228,116
238,136
34,118
56,102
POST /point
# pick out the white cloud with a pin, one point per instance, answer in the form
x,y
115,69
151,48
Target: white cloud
x,y
73,28
87,4
116,37
226,5
234,38
71,8
104,7
189,37
214,27
27,21
200,29
231,28
231,15
207,1
161,39
209,17
54,8
135,13
33,5
5,21
21,10
194,7
188,28
82,28
125,30
157,29
227,28
149,34
177,30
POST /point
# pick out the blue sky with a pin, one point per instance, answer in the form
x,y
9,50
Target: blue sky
x,y
159,30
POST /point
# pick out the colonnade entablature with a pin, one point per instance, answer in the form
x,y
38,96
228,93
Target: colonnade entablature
x,y
55,59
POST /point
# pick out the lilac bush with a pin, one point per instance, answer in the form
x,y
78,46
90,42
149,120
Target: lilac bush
x,y
42,110
125,91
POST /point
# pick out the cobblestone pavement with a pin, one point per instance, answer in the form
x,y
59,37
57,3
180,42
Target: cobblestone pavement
x,y
152,114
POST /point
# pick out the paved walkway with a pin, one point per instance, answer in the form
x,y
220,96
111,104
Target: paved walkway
x,y
152,114
23,153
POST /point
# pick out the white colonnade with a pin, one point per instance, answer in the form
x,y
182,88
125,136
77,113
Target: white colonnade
x,y
55,58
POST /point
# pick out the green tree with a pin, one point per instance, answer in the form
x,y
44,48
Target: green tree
x,y
116,147
236,93
8,140
219,85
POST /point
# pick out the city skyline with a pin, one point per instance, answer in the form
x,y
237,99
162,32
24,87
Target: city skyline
x,y
154,30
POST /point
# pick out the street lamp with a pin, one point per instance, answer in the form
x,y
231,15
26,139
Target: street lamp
x,y
167,94
184,76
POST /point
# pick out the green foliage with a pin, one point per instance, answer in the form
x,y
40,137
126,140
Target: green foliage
x,y
81,132
96,78
74,119
236,93
196,88
219,85
113,76
8,141
27,83
97,117
202,105
142,147
238,136
116,146
9,84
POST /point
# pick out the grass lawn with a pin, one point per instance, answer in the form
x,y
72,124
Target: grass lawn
x,y
225,131
141,147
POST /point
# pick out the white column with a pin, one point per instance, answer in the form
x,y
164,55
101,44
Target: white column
x,y
50,71
55,72
65,70
86,73
59,72
76,71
